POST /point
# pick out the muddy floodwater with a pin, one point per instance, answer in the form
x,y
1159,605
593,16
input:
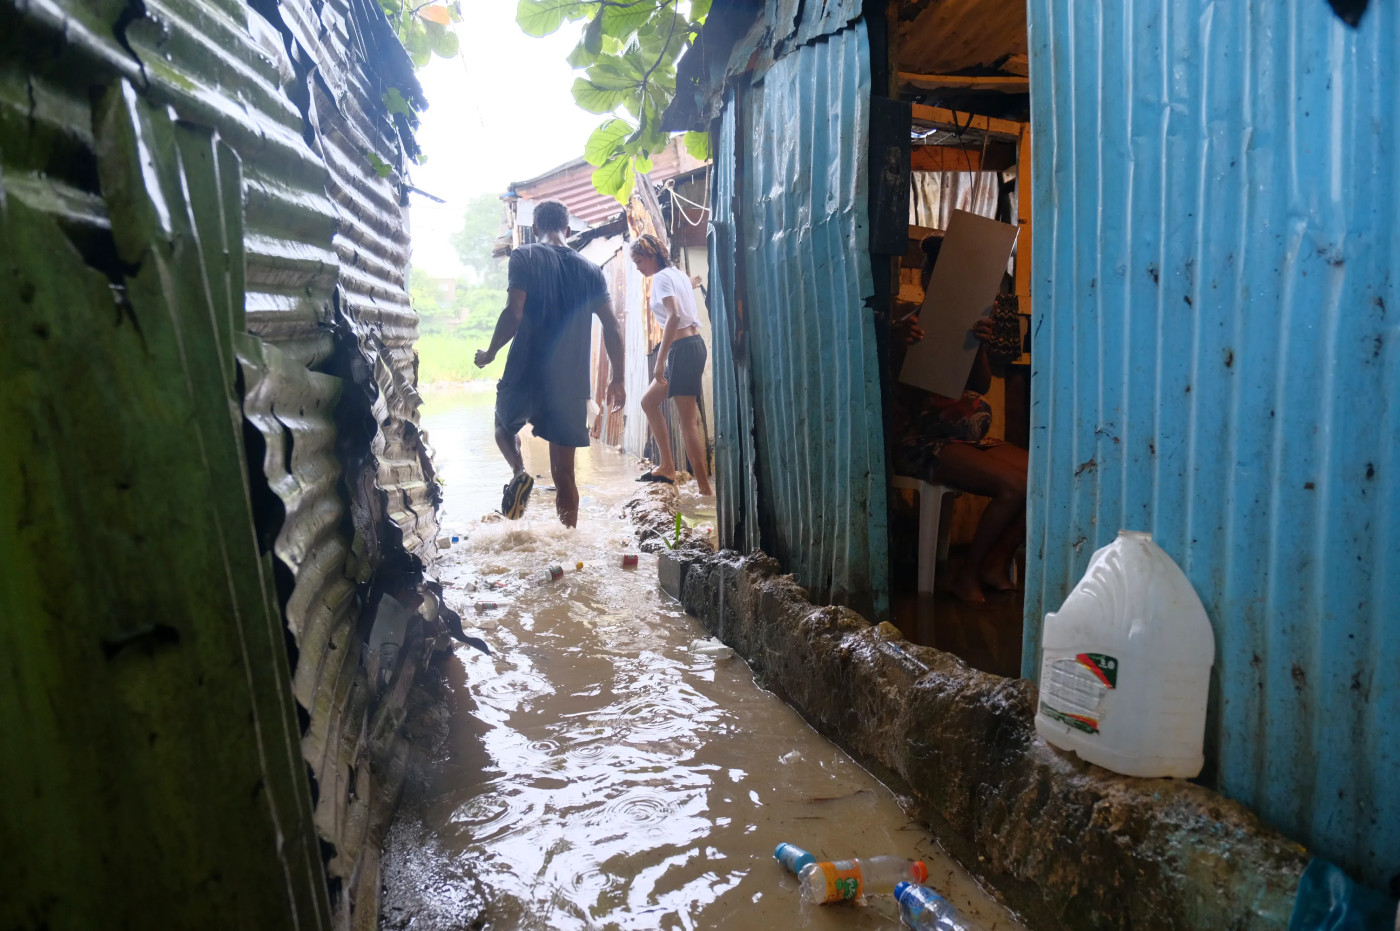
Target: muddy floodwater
x,y
598,773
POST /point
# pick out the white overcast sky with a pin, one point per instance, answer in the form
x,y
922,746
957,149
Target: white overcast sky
x,y
499,112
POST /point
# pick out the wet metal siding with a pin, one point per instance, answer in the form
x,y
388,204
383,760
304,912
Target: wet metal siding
x,y
1217,361
801,135
323,339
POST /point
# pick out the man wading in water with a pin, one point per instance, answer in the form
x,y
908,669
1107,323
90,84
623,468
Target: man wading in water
x,y
553,294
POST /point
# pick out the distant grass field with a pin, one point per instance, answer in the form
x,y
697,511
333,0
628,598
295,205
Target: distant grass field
x,y
446,358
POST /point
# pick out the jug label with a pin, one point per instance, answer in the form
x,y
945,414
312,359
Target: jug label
x,y
1072,689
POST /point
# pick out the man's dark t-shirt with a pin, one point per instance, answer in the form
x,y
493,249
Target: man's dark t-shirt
x,y
551,348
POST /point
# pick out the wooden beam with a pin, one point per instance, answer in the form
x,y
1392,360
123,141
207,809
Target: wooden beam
x,y
1001,84
1023,219
1000,155
952,119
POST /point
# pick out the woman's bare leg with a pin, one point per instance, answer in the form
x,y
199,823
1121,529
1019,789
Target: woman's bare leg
x,y
653,405
688,409
972,469
995,572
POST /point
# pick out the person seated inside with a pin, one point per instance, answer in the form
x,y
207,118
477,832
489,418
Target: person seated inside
x,y
944,441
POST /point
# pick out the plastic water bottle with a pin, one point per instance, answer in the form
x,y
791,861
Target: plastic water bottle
x,y
792,858
925,910
829,881
551,574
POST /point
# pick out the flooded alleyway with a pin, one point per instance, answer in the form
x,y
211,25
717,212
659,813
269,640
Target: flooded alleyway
x,y
598,773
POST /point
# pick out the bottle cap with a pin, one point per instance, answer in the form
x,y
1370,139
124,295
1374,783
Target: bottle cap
x,y
920,871
899,890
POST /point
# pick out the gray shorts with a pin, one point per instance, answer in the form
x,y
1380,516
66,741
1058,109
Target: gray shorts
x,y
684,365
561,421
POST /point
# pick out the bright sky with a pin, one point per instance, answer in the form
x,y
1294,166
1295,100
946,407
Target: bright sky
x,y
501,111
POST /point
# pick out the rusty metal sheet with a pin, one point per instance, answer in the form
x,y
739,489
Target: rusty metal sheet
x,y
955,36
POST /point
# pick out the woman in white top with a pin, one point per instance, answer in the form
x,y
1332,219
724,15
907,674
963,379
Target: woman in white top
x,y
680,360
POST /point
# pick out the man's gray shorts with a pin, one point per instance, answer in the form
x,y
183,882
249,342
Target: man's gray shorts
x,y
562,421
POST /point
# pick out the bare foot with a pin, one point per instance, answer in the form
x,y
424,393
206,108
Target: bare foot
x,y
965,588
706,490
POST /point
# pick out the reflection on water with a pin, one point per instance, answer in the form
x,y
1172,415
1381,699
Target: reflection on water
x,y
598,775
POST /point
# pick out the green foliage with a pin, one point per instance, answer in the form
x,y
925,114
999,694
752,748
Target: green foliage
x,y
455,319
482,223
425,29
381,167
628,58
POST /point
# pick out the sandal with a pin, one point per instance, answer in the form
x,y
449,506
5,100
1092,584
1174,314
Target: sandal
x,y
650,476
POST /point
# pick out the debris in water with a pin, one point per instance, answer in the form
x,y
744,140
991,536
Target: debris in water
x,y
711,647
837,798
629,560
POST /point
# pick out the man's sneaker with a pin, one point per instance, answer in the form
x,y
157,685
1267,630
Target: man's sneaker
x,y
517,493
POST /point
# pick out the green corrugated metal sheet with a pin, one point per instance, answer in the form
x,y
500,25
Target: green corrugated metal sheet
x,y
323,337
141,632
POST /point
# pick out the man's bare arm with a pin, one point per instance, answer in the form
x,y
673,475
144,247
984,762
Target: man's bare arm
x,y
506,326
612,342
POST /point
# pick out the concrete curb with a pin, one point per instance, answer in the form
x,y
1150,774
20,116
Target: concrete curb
x,y
1067,844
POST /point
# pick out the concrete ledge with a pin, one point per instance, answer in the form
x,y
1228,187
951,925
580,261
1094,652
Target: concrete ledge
x,y
1067,844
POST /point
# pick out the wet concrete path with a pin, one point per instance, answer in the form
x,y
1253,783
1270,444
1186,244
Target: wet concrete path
x,y
598,773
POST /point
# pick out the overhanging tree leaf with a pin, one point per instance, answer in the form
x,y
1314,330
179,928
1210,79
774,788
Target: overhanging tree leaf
x,y
605,141
642,165
622,20
597,99
593,35
610,178
446,44
614,74
699,9
698,145
436,14
543,17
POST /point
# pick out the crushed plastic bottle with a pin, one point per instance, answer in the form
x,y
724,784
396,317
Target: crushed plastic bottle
x,y
483,606
711,647
793,859
551,574
830,881
925,910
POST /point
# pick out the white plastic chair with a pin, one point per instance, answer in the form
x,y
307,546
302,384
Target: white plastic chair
x,y
933,538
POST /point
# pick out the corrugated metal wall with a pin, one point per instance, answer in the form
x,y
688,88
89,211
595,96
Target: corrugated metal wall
x,y
798,210
1217,361
345,500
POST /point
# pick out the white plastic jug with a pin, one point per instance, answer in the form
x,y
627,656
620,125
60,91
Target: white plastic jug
x,y
1125,671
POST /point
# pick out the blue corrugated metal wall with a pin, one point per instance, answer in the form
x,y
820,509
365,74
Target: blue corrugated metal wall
x,y
808,458
1217,361
735,482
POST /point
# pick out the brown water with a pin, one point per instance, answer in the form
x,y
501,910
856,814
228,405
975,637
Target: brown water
x,y
598,773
